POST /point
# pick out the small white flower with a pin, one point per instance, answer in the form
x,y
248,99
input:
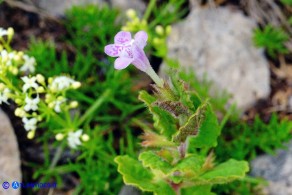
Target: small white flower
x,y
74,138
60,83
3,32
31,104
7,57
4,96
29,124
57,106
29,83
29,63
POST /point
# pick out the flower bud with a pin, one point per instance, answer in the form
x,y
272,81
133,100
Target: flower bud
x,y
131,13
51,105
168,30
40,78
157,41
40,90
14,71
31,134
39,118
85,137
18,101
2,86
73,104
76,85
10,33
19,112
59,136
50,80
159,30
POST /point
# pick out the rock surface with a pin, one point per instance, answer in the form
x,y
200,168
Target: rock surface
x,y
218,42
277,170
57,7
9,156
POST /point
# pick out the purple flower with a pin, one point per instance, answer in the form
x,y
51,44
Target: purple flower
x,y
129,51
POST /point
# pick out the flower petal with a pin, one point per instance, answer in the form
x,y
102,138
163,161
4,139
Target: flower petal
x,y
140,59
113,50
122,63
123,37
141,39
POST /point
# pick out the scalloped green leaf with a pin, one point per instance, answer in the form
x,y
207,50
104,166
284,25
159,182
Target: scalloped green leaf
x,y
146,98
135,174
223,173
153,161
191,163
198,190
163,121
208,132
193,124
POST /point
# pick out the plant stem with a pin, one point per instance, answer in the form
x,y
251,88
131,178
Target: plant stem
x,y
106,94
149,9
157,80
57,156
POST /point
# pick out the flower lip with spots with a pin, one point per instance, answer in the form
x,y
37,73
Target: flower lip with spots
x,y
129,51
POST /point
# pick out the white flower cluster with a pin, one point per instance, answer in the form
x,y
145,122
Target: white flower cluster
x,y
74,138
4,94
15,61
61,83
36,97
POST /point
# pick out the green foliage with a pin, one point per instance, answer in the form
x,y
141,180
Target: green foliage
x,y
135,174
89,27
208,132
166,13
287,2
184,163
103,97
272,39
244,141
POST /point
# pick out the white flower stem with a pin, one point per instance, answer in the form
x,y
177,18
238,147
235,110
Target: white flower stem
x,y
157,80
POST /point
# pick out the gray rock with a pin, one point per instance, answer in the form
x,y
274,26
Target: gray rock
x,y
129,190
277,170
218,42
9,156
57,7
138,5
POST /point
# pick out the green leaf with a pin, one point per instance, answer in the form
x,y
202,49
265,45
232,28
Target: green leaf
x,y
163,121
224,173
198,190
191,163
146,98
153,161
272,38
208,132
287,2
135,174
192,125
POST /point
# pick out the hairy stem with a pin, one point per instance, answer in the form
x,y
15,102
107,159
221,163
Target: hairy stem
x,y
157,80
